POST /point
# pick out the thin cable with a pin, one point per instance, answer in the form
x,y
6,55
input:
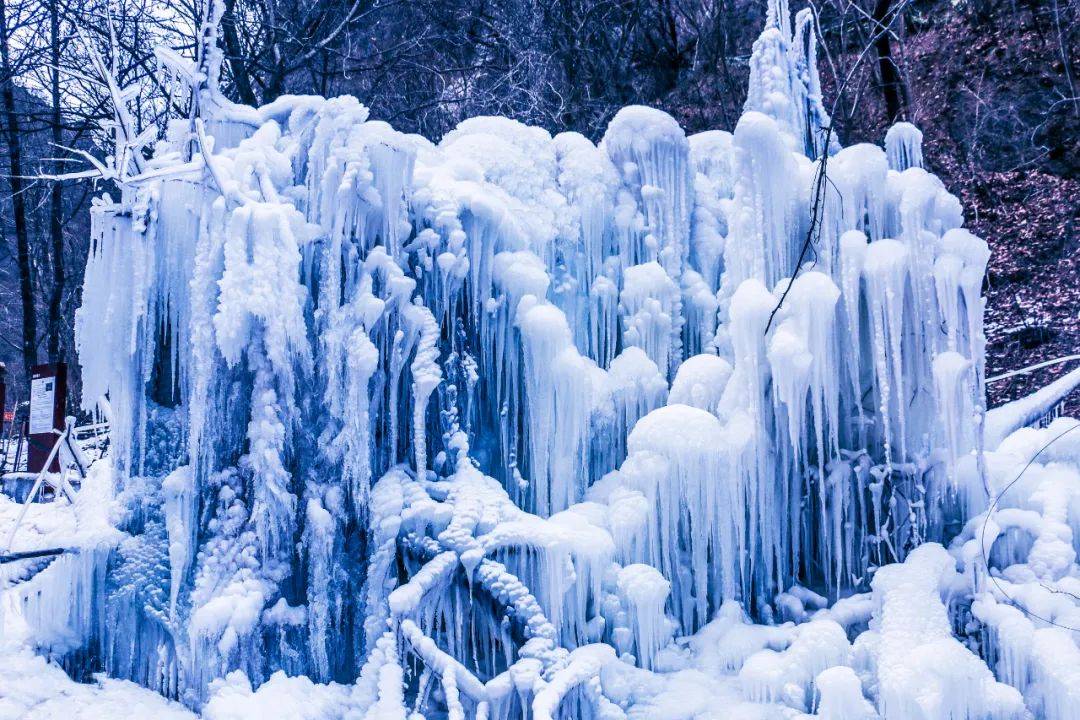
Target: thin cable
x,y
1032,368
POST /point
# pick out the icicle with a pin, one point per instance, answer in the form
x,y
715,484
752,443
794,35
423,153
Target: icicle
x,y
351,362
116,340
178,489
811,116
886,272
648,304
559,384
790,361
813,299
712,154
692,449
319,541
761,243
778,15
653,216
903,144
274,506
646,593
743,406
770,90
587,179
949,371
852,259
426,376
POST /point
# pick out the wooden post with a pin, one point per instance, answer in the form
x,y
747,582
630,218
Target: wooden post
x,y
5,434
3,405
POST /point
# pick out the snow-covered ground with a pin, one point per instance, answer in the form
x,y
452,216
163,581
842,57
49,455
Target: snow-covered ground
x,y
31,687
895,644
35,688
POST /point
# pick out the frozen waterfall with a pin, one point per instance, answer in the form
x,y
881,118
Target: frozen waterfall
x,y
517,425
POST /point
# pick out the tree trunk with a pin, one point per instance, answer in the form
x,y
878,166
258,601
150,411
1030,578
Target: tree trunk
x,y
237,63
892,85
18,201
56,194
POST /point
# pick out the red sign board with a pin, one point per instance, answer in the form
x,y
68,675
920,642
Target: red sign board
x,y
48,394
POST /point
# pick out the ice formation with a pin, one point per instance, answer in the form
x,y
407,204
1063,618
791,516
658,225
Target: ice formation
x,y
519,425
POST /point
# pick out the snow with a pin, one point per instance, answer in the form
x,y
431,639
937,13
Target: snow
x,y
33,689
232,698
841,696
769,676
700,382
921,670
520,425
1003,420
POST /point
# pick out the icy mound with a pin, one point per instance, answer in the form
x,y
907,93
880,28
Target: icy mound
x,y
921,670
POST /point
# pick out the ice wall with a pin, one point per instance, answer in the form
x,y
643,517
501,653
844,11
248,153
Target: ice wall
x,y
489,407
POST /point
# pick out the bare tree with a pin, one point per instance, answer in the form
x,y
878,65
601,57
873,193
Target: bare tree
x,y
10,22
893,90
56,189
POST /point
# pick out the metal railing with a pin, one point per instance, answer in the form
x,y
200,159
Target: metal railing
x,y
64,439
